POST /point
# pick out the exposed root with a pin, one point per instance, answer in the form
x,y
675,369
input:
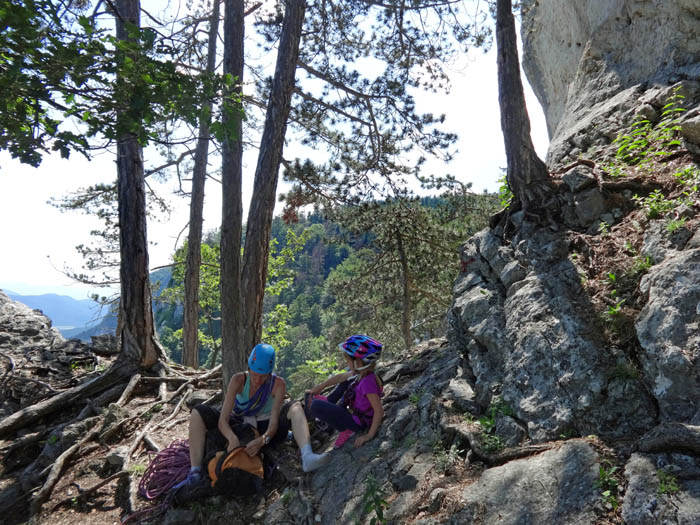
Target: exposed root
x,y
54,475
85,493
31,414
126,394
671,437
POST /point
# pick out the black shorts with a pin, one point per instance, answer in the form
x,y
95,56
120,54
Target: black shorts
x,y
217,441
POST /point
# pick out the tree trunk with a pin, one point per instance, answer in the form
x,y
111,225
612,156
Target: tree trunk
x,y
257,240
406,283
233,353
527,175
139,342
190,316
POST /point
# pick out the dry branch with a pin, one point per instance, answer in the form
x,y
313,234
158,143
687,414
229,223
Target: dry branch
x,y
45,491
124,398
29,415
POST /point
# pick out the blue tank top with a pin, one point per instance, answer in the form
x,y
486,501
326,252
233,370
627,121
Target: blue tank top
x,y
244,396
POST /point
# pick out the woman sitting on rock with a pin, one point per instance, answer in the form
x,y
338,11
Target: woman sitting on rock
x,y
254,397
361,408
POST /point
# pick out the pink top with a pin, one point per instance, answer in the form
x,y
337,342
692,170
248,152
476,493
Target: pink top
x,y
367,385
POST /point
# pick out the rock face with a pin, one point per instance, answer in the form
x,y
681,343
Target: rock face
x,y
590,60
531,338
41,359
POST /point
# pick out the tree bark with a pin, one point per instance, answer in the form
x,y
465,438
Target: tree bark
x,y
232,202
190,316
527,175
257,239
139,342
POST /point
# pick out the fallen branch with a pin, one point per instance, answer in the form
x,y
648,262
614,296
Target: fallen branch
x,y
124,398
671,437
8,373
84,493
31,414
45,492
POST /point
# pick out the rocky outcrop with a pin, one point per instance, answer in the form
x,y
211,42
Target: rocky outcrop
x,y
424,469
35,358
593,62
530,337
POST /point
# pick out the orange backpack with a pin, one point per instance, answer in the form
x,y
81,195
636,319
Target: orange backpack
x,y
236,473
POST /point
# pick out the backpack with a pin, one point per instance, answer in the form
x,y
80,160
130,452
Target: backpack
x,y
236,473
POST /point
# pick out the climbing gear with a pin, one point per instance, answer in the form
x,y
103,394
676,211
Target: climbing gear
x,y
236,472
342,438
165,469
258,401
262,359
362,347
348,400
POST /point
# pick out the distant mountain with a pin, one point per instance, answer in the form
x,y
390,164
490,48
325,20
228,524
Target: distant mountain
x,y
66,313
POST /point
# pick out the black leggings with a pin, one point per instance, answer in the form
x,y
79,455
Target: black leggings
x,y
217,441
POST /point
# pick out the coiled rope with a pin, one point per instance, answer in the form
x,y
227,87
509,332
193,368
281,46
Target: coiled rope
x,y
165,469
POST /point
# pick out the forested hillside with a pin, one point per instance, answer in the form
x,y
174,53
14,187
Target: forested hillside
x,y
330,278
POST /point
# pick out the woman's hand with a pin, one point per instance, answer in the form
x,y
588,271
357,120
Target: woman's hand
x,y
233,443
254,446
361,440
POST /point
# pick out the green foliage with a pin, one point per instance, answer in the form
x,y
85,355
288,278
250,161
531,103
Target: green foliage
x,y
137,468
656,204
72,81
373,502
310,373
446,460
645,141
505,195
624,371
675,224
607,483
668,484
492,443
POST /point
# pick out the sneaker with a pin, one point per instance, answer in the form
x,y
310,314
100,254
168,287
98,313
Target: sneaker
x,y
193,479
342,438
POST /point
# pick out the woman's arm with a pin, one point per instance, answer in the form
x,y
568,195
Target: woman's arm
x,y
333,380
278,393
235,386
376,420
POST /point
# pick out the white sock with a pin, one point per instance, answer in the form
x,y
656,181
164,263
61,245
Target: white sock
x,y
311,461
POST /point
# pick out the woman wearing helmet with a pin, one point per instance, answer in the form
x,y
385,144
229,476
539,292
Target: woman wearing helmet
x,y
361,390
254,397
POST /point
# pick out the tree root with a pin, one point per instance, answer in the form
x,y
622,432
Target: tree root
x,y
671,437
31,414
84,493
124,398
45,492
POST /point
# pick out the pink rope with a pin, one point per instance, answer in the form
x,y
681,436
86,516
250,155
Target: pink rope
x,y
165,469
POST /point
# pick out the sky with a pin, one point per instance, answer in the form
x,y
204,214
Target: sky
x,y
37,241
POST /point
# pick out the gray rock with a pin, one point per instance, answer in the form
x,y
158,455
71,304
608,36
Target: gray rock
x,y
646,504
176,516
690,129
589,205
579,178
578,56
512,273
117,457
556,486
667,329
